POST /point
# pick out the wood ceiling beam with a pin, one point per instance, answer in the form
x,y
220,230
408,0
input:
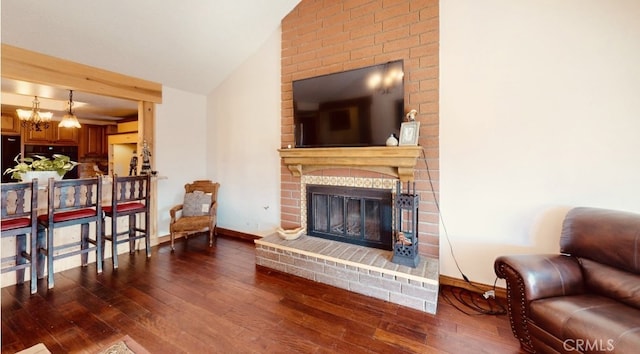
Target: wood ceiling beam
x,y
29,66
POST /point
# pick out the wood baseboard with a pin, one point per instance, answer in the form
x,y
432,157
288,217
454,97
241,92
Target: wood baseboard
x,y
237,234
472,286
221,232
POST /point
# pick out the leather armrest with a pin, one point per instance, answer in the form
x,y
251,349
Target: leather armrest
x,y
541,276
532,277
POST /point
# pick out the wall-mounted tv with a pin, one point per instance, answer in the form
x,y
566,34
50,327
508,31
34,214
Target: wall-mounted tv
x,y
359,107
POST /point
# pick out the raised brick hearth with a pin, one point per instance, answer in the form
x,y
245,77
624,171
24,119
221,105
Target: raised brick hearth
x,y
360,269
363,270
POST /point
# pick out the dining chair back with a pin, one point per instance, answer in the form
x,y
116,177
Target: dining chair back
x,y
130,196
19,218
72,202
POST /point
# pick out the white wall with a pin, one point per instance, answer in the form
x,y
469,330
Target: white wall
x,y
539,112
180,153
243,138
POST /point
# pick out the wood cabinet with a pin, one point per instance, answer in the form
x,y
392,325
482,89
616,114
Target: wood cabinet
x,y
44,136
52,135
93,141
10,124
68,136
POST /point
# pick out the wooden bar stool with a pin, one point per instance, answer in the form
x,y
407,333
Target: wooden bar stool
x,y
129,197
19,218
72,202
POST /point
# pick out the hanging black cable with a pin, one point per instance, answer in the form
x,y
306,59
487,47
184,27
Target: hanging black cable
x,y
444,226
474,303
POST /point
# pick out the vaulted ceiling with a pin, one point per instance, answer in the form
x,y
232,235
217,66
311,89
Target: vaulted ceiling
x,y
188,45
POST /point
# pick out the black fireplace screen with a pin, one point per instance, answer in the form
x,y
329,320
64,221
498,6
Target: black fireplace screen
x,y
361,216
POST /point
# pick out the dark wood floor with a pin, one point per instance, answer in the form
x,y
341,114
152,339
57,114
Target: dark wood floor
x,y
209,300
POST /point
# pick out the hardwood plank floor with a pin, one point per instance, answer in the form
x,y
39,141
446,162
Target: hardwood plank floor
x,y
214,300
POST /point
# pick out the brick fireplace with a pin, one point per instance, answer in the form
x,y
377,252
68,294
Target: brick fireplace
x,y
323,37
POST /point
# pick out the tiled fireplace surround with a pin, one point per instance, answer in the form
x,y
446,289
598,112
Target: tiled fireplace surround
x,y
359,269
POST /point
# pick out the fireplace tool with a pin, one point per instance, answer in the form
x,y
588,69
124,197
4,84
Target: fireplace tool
x,y
405,240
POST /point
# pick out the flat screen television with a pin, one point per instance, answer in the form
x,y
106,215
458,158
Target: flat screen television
x,y
360,107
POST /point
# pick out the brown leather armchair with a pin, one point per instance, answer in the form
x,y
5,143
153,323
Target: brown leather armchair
x,y
198,213
585,299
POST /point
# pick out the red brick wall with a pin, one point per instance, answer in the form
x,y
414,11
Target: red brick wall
x,y
327,36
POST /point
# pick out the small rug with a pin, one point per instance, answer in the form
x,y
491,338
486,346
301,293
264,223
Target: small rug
x,y
125,345
36,349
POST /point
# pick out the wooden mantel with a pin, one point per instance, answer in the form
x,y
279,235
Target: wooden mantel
x,y
397,161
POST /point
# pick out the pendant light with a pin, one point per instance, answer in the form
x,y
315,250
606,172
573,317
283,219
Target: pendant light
x,y
70,120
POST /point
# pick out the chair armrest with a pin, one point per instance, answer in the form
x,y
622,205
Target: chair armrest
x,y
173,211
213,209
532,277
541,276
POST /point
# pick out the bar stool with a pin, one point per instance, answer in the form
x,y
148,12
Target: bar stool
x,y
72,202
19,217
130,196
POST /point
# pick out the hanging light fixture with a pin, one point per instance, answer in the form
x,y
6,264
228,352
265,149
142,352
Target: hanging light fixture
x,y
70,120
34,119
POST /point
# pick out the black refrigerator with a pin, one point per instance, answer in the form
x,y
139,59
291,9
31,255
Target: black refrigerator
x,y
10,149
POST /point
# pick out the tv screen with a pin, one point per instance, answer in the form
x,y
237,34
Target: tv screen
x,y
360,107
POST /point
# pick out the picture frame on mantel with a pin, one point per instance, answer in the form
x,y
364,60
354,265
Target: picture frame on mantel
x,y
409,133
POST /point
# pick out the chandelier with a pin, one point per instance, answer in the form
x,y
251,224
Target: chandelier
x,y
34,119
69,120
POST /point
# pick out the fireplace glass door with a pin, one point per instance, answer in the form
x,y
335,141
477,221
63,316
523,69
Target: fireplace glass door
x,y
360,216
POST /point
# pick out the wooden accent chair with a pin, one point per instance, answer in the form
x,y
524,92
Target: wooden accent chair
x,y
198,212
19,218
72,202
130,196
